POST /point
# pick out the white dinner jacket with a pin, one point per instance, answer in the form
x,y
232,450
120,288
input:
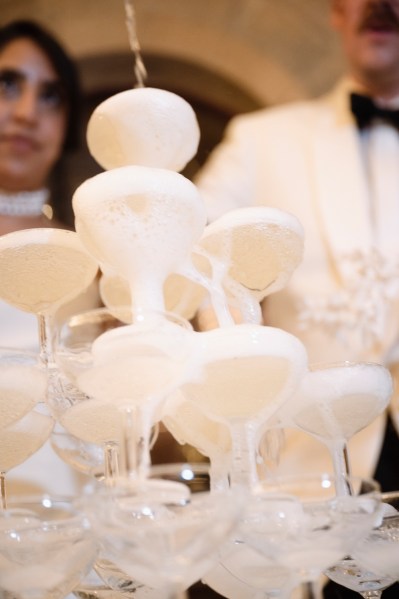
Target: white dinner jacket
x,y
306,158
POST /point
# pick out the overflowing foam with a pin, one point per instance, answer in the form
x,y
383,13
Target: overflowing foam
x,y
335,403
181,296
260,247
139,222
248,372
134,363
143,126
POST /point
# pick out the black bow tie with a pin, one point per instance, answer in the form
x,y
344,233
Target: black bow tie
x,y
365,110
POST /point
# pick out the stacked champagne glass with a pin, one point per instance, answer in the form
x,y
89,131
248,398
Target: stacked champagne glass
x,y
114,373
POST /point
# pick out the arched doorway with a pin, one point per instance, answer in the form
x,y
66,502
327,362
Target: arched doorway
x,y
214,99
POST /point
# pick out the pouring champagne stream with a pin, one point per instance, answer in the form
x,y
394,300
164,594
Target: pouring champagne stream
x,y
143,223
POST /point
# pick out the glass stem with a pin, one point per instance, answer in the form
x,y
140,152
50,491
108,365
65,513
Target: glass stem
x,y
243,465
129,441
340,457
269,448
111,462
143,441
136,440
174,593
218,473
46,340
311,590
371,594
3,490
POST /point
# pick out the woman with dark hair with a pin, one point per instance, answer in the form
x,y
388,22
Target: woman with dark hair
x,y
40,103
39,106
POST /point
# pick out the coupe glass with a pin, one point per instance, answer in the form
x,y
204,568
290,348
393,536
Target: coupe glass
x,y
46,548
303,525
92,459
243,573
120,375
41,270
247,373
334,402
140,223
24,422
92,587
84,457
374,564
253,252
165,540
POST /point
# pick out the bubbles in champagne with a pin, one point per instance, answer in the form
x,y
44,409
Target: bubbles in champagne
x,y
21,439
182,295
338,401
189,424
140,222
133,363
40,269
248,372
94,421
259,246
21,387
143,126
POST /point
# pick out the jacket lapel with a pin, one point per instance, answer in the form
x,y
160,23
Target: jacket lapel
x,y
340,194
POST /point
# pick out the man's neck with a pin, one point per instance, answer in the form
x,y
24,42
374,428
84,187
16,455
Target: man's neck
x,y
383,89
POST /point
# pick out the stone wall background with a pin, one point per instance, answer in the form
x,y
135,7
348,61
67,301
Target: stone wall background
x,y
276,50
224,56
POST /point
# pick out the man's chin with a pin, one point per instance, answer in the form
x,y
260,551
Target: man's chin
x,y
379,53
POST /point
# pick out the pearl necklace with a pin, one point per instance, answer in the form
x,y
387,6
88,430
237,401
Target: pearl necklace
x,y
25,203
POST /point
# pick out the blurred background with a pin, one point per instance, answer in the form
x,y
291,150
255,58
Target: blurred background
x,y
223,56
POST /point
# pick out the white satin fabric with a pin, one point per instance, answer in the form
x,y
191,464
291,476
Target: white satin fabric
x,y
308,159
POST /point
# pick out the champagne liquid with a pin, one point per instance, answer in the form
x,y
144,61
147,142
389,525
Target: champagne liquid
x,y
13,406
21,387
130,378
260,247
240,388
140,223
130,369
94,421
22,439
139,68
341,418
38,277
188,424
337,402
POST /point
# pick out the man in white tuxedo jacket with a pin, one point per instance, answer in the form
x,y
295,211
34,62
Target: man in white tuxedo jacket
x,y
341,179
